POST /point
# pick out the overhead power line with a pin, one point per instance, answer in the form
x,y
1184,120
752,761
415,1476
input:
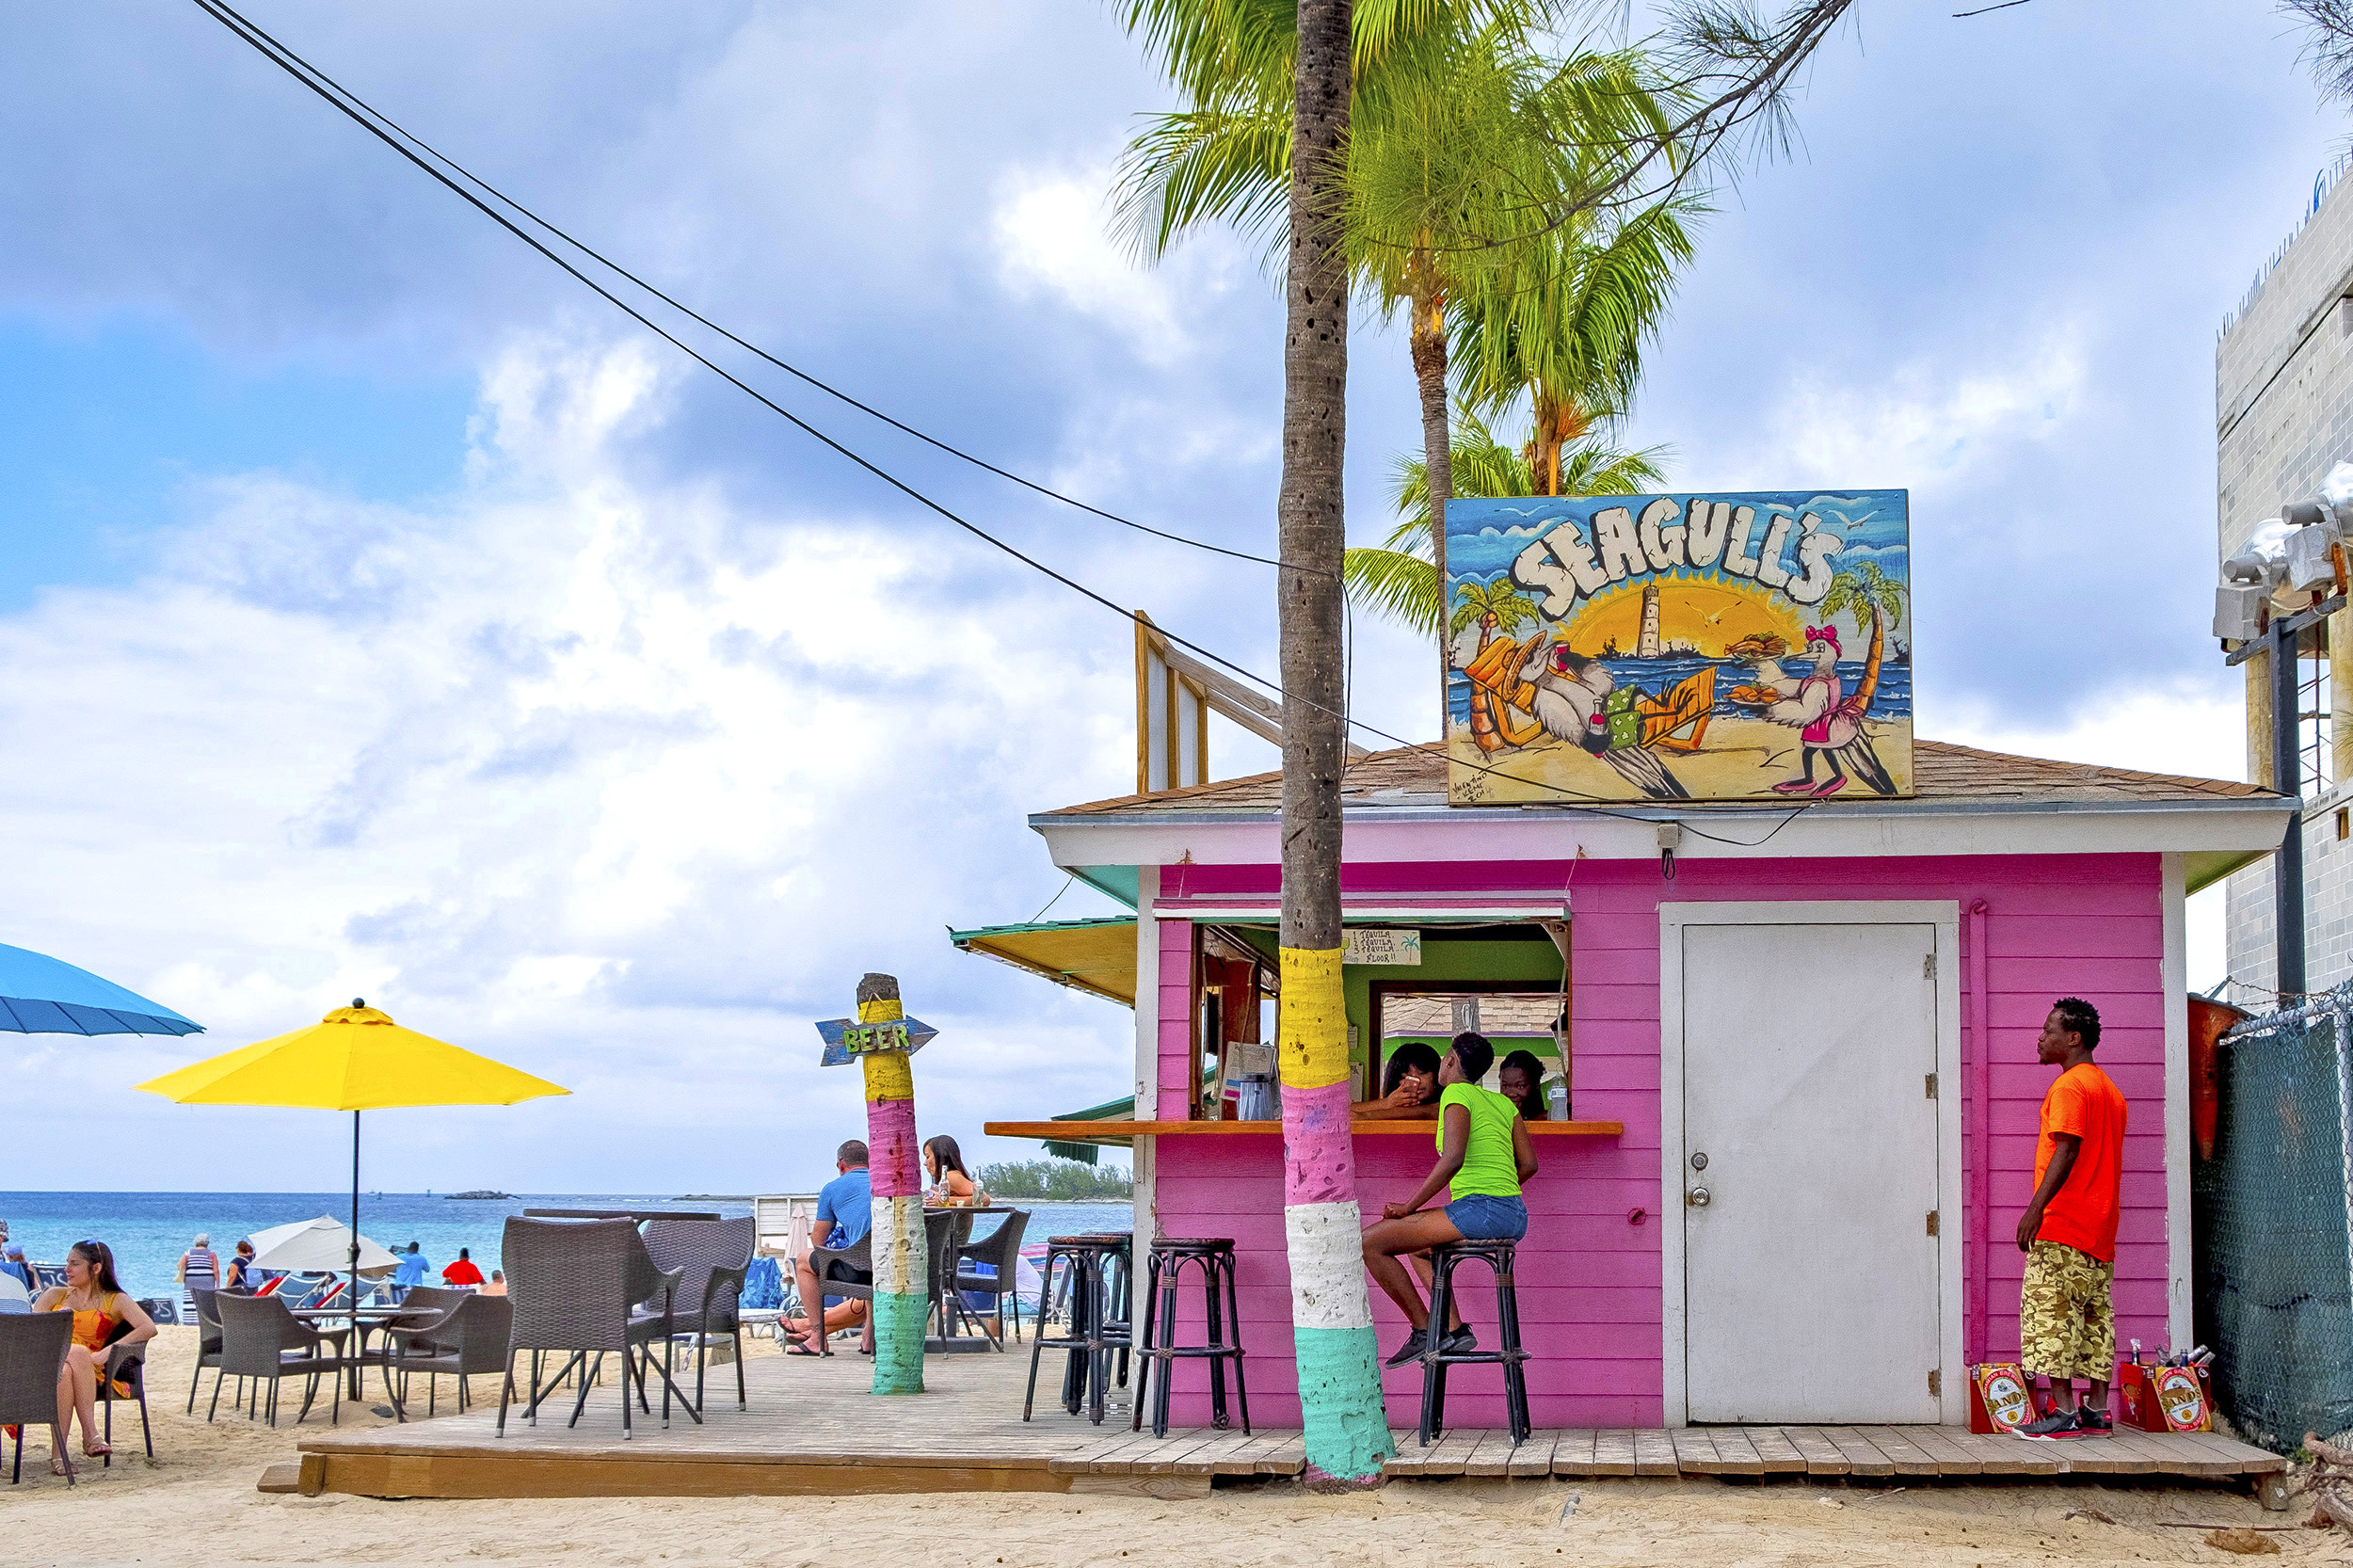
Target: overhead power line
x,y
379,123
367,119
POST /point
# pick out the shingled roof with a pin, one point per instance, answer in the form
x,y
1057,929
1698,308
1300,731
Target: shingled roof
x,y
1415,776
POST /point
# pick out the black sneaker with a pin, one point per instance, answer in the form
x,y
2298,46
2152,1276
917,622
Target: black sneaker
x,y
2093,1423
1459,1342
1411,1350
2059,1423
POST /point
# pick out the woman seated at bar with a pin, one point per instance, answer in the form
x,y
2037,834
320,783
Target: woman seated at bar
x,y
1522,1080
952,1186
1409,1088
1486,1154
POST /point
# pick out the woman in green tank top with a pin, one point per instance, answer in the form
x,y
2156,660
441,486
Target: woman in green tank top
x,y
1484,1152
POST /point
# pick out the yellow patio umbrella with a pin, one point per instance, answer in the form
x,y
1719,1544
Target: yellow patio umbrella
x,y
355,1059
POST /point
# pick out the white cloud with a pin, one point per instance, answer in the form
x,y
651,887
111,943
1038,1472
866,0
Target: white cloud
x,y
1052,239
1924,425
545,772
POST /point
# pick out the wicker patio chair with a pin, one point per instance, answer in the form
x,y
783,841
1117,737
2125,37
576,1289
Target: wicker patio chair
x,y
470,1336
575,1286
32,1358
714,1254
859,1257
261,1339
126,1365
1000,1251
207,1345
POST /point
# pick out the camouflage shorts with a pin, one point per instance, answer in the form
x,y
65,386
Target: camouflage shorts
x,y
2066,1327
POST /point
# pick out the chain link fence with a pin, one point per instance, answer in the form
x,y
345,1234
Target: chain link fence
x,y
2273,1215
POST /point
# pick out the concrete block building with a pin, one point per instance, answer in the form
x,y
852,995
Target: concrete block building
x,y
2283,417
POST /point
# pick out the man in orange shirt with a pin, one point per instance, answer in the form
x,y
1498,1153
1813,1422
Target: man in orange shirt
x,y
2066,1322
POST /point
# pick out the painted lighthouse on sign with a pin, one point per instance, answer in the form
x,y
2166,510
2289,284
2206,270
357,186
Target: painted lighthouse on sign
x,y
1682,646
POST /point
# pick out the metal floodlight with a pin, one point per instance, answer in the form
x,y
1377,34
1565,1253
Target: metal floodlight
x,y
2312,555
2248,569
2237,612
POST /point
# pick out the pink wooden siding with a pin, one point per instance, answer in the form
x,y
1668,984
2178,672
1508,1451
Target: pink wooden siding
x,y
1589,1276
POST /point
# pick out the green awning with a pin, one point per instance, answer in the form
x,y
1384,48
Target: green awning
x,y
1096,956
1110,1111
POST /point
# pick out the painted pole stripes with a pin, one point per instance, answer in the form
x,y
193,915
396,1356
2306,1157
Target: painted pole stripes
x,y
902,1293
1339,1369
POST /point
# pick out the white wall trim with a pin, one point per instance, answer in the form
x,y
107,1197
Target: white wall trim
x,y
2175,984
1148,1060
1945,916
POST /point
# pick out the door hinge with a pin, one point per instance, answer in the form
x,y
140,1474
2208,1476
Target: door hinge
x,y
1936,1384
1931,1087
1932,1222
1928,966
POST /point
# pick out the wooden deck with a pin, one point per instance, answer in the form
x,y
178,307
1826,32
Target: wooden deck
x,y
813,1428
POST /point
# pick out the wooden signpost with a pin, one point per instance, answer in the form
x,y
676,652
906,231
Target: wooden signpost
x,y
882,1038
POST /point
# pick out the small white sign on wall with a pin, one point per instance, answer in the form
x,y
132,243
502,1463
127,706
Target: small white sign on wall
x,y
1368,945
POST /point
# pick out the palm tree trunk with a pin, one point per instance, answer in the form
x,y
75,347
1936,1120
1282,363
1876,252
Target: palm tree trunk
x,y
1339,1377
901,1292
1437,455
1868,686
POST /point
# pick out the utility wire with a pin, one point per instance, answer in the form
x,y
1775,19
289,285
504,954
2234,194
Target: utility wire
x,y
369,112
301,72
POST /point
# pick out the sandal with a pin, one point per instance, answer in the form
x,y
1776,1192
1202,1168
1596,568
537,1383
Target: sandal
x,y
801,1347
104,1450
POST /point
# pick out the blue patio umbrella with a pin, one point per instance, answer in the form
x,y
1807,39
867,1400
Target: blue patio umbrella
x,y
39,994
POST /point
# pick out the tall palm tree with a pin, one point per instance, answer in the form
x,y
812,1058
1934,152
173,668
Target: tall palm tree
x,y
1568,333
1400,578
1459,130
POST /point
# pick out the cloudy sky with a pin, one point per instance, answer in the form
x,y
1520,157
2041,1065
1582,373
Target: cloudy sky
x,y
385,617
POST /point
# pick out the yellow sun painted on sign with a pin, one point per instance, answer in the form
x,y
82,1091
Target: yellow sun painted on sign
x,y
1709,617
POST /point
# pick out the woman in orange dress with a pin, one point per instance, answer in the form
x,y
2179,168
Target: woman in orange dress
x,y
96,1298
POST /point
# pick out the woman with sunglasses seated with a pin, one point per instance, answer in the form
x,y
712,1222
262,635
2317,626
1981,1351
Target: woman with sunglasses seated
x,y
104,1317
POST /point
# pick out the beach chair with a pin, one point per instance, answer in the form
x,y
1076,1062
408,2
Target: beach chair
x,y
858,1256
999,1253
260,1340
470,1336
714,1255
32,1358
581,1287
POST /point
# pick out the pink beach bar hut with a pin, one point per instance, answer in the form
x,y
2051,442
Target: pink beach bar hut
x,y
1792,1073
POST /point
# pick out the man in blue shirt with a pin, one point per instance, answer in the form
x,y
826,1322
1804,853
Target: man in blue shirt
x,y
410,1273
845,1212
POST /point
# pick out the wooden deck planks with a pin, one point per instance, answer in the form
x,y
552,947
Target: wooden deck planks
x,y
813,1426
1736,1452
1615,1453
1572,1453
1776,1452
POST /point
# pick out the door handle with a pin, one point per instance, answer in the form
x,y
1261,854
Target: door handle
x,y
1698,1198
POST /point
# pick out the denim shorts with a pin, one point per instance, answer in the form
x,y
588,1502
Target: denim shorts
x,y
1482,1218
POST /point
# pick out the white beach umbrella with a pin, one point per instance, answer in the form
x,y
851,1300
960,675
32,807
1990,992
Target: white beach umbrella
x,y
317,1247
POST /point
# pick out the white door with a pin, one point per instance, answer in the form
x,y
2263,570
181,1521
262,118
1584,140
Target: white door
x,y
1809,1172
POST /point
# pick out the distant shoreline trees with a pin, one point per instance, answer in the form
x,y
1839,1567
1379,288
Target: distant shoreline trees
x,y
1057,1181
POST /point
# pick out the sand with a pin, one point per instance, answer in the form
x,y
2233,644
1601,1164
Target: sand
x,y
195,1504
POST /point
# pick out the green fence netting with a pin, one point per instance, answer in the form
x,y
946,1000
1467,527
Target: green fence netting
x,y
2274,1254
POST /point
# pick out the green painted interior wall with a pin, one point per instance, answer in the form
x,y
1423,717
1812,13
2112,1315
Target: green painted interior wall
x,y
1534,963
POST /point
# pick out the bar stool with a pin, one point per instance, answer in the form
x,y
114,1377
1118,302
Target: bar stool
x,y
1164,1266
1096,1270
1498,1256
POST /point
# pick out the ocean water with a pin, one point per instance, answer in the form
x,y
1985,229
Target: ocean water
x,y
149,1231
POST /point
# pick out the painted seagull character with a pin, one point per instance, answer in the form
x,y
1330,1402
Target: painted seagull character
x,y
1829,723
1571,695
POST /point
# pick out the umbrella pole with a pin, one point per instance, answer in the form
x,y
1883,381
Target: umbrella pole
x,y
357,1379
